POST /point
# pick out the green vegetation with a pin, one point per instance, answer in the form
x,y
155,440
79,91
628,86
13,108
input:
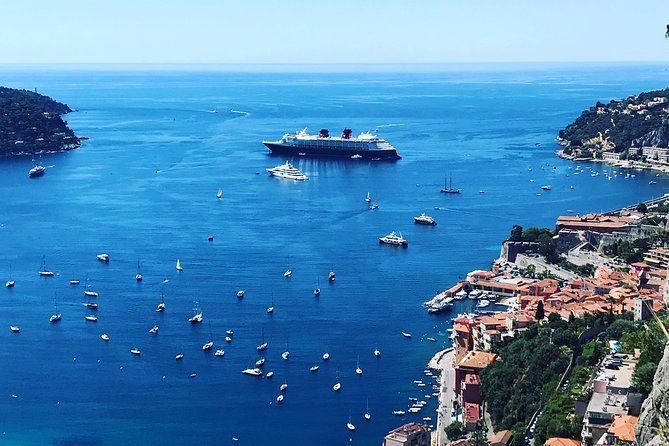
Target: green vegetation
x,y
650,339
628,252
32,123
632,122
455,431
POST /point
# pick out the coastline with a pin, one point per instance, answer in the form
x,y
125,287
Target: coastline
x,y
622,164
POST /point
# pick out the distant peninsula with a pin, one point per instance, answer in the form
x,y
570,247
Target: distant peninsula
x,y
632,132
32,123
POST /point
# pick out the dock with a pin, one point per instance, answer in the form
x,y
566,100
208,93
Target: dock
x,y
443,361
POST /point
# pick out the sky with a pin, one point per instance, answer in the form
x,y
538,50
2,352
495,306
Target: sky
x,y
332,32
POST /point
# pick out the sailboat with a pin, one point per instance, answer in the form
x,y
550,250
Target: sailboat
x,y
219,194
368,198
284,386
286,354
358,370
263,345
317,290
270,309
138,276
288,273
154,329
368,415
161,306
210,344
350,425
450,189
197,315
377,353
179,267
44,272
331,276
337,385
88,292
55,317
10,282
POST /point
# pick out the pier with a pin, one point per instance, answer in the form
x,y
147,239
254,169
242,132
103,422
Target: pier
x,y
443,361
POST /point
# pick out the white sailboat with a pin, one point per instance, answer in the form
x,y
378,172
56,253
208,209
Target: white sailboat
x,y
55,317
358,370
43,271
219,194
197,315
368,198
10,282
88,292
161,306
337,385
263,344
138,276
350,425
154,329
270,309
377,353
368,415
210,344
178,266
286,353
317,290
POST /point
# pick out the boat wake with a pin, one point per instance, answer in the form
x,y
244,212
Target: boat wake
x,y
390,125
239,112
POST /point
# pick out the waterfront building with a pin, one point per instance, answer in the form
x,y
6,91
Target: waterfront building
x,y
471,389
410,434
472,363
471,416
598,223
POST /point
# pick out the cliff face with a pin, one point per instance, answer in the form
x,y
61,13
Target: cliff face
x,y
658,137
652,428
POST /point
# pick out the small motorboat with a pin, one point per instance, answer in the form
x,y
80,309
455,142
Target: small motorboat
x,y
90,293
317,291
91,318
374,206
103,258
14,328
178,266
9,283
138,276
192,375
154,329
55,318
210,238
196,319
269,374
219,352
285,355
350,425
270,309
326,356
331,276
91,305
219,194
228,339
283,387
135,351
229,332
240,294
546,187
74,282
398,412
314,368
279,399
288,273
207,346
260,362
262,346
37,171
406,335
104,337
160,308
252,372
179,357
377,353
431,339
336,387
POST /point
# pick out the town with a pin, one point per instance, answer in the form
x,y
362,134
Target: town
x,y
588,289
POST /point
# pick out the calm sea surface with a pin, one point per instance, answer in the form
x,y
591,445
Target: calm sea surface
x,y
143,188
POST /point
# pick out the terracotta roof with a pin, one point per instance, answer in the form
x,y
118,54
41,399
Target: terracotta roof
x,y
557,441
501,437
477,360
623,427
472,412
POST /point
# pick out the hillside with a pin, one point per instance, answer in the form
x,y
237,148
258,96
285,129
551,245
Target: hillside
x,y
637,121
32,123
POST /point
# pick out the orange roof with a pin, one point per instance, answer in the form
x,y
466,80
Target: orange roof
x,y
478,360
623,427
472,412
501,437
557,441
470,378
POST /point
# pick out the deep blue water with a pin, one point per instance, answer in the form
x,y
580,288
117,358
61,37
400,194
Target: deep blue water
x,y
143,187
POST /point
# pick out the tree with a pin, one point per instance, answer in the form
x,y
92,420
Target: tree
x,y
455,430
641,207
479,437
618,328
539,314
516,234
643,377
666,35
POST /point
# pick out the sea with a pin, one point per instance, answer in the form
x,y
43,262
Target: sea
x,y
142,188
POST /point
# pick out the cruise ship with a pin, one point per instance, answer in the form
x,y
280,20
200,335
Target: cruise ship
x,y
366,145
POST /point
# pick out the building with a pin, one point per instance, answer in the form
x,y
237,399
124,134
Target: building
x,y
656,154
611,157
472,363
610,398
501,438
411,434
642,309
471,416
557,441
657,257
471,389
594,222
621,431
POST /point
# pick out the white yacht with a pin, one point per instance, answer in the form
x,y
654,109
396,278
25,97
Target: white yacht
x,y
285,355
138,276
287,171
279,399
135,351
399,413
74,282
103,258
154,329
104,337
482,303
252,372
377,353
208,345
368,198
326,356
219,352
546,187
314,368
179,357
336,387
424,219
55,317
178,266
406,335
14,328
91,318
283,387
331,276
260,362
240,294
288,273
269,375
90,293
219,194
393,239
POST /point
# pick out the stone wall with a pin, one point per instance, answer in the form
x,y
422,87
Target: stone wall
x,y
652,429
